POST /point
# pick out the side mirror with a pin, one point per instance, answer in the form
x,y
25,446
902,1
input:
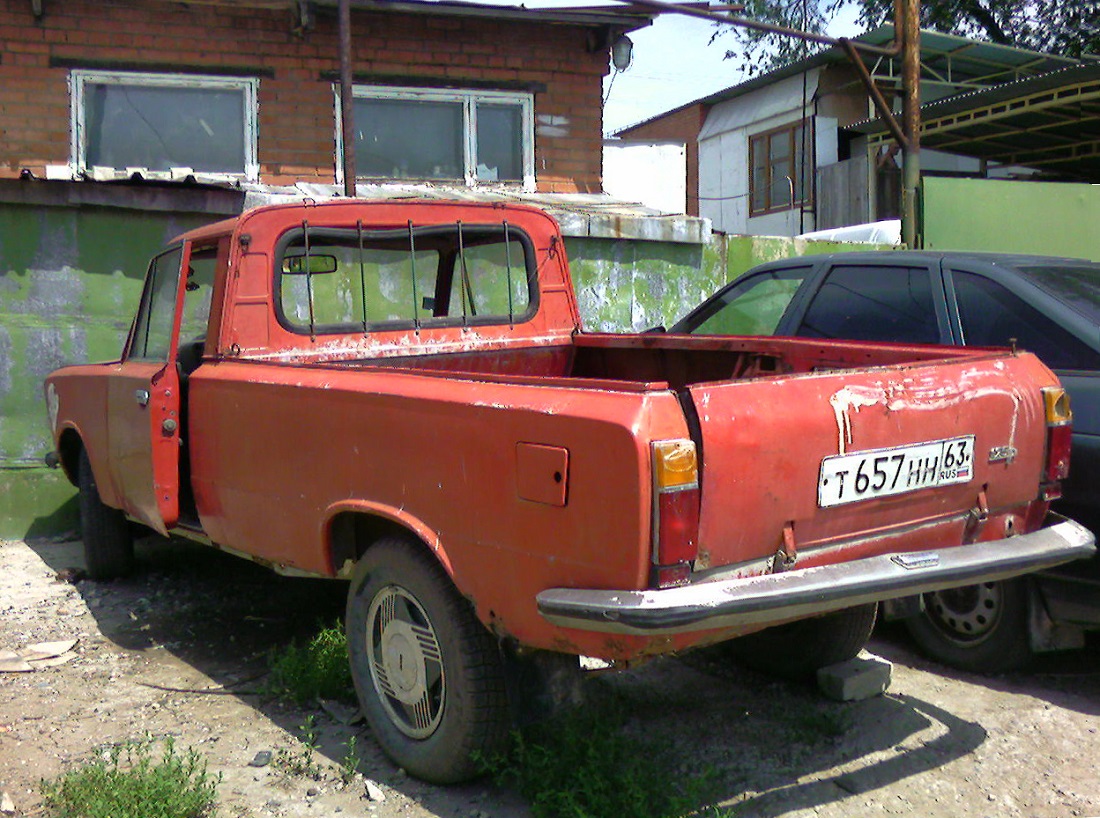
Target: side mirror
x,y
309,265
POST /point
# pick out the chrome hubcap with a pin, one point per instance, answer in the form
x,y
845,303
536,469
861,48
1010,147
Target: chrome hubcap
x,y
406,664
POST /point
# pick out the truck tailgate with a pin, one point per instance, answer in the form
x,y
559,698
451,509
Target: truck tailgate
x,y
814,465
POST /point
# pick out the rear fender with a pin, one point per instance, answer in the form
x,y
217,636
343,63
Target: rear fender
x,y
346,523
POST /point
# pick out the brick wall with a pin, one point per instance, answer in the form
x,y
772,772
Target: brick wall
x,y
683,126
296,120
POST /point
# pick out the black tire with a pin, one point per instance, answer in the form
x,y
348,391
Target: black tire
x,y
108,542
799,649
979,628
429,676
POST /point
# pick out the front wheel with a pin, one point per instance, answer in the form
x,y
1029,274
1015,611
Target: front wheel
x,y
108,542
429,676
980,628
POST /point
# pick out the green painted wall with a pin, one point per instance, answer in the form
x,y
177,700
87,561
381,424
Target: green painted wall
x,y
1045,218
629,285
70,278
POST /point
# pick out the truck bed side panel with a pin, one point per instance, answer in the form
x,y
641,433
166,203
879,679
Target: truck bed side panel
x,y
282,446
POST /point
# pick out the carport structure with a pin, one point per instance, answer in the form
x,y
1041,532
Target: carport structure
x,y
1049,122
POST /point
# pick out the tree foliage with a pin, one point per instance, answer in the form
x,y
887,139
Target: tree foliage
x,y
1065,27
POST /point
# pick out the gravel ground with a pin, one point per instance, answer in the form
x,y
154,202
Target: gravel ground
x,y
180,650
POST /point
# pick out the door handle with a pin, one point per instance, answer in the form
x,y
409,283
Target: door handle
x,y
141,396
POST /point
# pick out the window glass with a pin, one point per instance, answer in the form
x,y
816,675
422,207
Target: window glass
x,y
759,185
408,139
197,294
482,136
490,284
754,306
164,128
156,315
158,122
438,276
499,143
993,316
874,304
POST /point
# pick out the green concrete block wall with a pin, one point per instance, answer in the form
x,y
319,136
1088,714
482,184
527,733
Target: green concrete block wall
x,y
70,279
626,285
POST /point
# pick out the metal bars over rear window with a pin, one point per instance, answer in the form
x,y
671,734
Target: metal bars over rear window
x,y
339,280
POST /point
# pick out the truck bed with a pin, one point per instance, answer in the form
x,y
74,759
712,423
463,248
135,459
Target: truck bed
x,y
765,413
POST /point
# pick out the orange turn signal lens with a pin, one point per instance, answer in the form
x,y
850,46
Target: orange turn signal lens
x,y
1056,404
674,464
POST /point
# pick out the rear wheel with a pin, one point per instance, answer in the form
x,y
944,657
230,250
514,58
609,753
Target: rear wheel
x,y
429,676
108,543
981,628
799,649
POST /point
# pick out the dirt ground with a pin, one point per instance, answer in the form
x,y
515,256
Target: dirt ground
x,y
180,650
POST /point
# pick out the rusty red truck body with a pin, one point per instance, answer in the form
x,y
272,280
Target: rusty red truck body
x,y
400,394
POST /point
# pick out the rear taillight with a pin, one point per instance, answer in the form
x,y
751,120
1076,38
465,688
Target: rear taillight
x,y
675,511
1059,420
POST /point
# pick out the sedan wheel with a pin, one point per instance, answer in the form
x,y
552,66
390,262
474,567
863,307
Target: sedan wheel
x,y
981,628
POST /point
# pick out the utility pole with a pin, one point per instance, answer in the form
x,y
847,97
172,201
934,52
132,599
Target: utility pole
x,y
909,26
347,99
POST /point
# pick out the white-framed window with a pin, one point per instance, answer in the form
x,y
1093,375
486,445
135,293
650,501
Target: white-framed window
x,y
476,137
163,125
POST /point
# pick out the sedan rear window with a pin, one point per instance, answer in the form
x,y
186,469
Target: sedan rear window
x,y
993,316
1078,287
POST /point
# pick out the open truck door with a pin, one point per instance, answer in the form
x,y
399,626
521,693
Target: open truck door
x,y
143,399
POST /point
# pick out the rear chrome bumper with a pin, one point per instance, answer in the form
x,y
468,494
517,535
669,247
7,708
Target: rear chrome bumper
x,y
775,598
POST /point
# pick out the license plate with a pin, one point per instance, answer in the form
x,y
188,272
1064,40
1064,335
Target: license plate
x,y
849,478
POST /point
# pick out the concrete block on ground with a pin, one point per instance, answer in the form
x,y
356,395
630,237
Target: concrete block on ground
x,y
857,679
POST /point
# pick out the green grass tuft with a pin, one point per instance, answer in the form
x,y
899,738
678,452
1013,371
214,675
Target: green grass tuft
x,y
129,782
317,670
584,765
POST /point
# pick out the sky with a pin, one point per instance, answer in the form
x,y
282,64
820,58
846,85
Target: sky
x,y
674,63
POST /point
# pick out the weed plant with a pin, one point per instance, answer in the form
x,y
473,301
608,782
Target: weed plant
x,y
301,762
349,765
129,781
316,670
585,765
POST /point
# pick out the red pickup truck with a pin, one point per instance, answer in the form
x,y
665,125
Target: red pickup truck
x,y
400,394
